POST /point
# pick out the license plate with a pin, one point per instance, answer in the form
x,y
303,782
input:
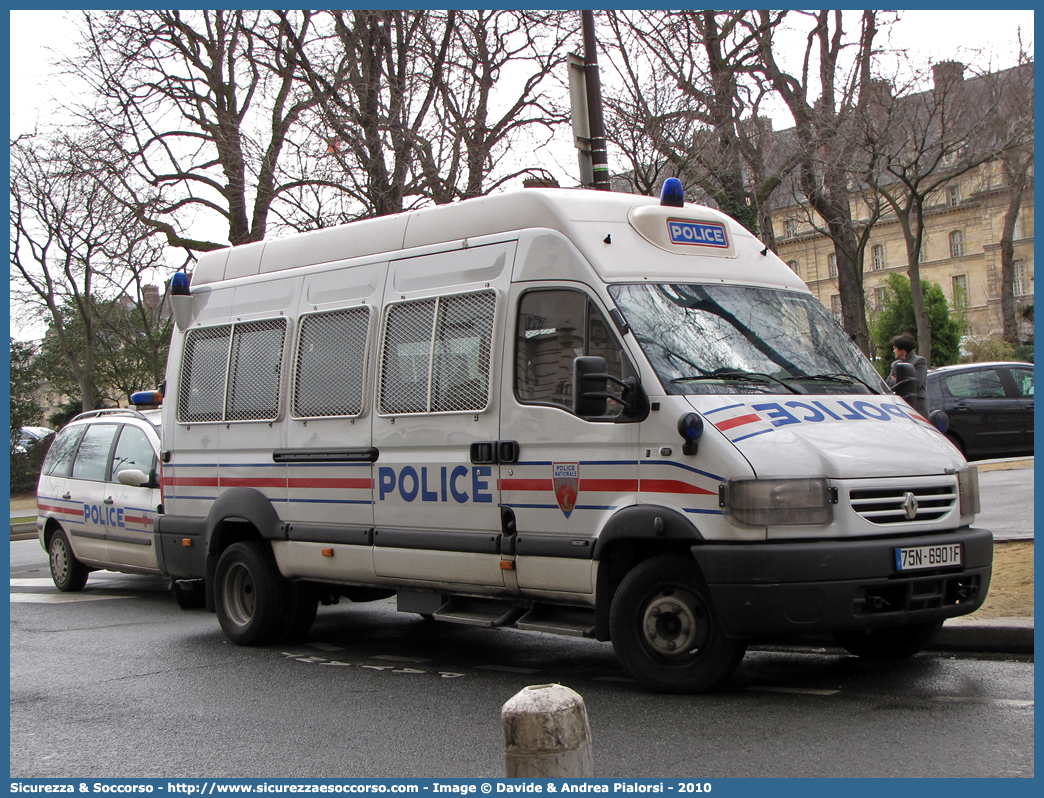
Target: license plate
x,y
914,557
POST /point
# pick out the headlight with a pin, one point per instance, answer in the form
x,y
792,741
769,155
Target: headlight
x,y
778,502
968,484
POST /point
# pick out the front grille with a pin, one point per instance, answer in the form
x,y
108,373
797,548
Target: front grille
x,y
901,506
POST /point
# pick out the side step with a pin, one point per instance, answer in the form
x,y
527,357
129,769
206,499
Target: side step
x,y
558,621
490,613
476,612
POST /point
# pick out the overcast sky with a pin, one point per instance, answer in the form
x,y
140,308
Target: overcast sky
x,y
974,37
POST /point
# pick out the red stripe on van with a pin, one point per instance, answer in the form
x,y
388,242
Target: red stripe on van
x,y
672,486
253,482
609,485
133,519
191,482
345,484
738,421
527,484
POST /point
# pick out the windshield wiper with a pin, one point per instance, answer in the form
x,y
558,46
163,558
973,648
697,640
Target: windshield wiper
x,y
835,377
739,375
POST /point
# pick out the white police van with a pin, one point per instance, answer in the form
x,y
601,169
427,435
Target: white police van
x,y
572,411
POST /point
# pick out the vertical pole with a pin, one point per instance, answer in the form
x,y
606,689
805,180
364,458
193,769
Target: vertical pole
x,y
599,159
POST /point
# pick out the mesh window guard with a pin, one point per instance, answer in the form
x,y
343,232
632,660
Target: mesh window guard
x,y
331,364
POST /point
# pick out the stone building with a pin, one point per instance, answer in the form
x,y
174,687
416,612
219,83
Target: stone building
x,y
961,251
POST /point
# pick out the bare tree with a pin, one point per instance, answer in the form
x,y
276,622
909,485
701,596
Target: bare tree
x,y
74,250
493,96
687,91
375,76
824,103
197,108
422,106
927,140
1014,91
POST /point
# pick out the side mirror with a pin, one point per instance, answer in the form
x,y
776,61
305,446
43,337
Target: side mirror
x,y
906,381
590,386
133,477
590,389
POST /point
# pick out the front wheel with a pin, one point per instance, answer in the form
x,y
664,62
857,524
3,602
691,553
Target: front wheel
x,y
890,642
250,595
68,573
665,631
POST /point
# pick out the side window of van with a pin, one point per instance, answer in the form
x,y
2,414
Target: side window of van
x,y
253,380
60,456
204,365
436,355
555,327
133,450
92,458
255,350
331,363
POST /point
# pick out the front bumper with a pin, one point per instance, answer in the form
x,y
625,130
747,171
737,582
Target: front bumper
x,y
799,588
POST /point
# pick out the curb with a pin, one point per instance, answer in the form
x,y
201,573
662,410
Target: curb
x,y
1000,635
24,531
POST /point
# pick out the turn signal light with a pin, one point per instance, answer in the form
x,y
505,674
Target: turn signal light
x,y
328,552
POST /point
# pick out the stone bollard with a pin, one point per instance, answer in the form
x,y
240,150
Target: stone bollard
x,y
546,734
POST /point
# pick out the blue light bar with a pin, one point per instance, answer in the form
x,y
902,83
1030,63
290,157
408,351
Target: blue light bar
x,y
146,398
179,284
672,194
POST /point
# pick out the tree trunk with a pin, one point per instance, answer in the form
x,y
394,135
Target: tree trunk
x,y
1016,184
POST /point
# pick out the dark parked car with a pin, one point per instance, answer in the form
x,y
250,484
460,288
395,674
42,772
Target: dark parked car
x,y
990,407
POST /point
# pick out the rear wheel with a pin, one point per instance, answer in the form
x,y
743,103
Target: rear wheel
x,y
889,643
250,594
68,573
665,631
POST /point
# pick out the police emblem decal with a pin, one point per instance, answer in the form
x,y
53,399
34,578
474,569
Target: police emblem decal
x,y
567,485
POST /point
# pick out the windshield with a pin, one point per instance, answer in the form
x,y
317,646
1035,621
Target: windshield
x,y
713,339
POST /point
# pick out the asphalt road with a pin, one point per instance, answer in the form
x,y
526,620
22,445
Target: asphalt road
x,y
118,682
1006,499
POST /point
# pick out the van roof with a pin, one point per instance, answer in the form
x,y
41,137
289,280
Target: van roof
x,y
592,220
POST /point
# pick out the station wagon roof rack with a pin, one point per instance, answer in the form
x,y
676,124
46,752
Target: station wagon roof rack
x,y
110,411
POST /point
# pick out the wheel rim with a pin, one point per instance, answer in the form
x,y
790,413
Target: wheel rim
x,y
675,624
239,595
59,559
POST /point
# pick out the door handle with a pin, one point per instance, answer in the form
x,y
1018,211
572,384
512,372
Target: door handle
x,y
107,500
67,496
493,452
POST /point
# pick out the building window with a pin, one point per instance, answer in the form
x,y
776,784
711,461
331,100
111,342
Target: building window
x,y
1021,286
793,264
956,244
835,306
789,228
953,196
960,290
832,265
878,256
879,298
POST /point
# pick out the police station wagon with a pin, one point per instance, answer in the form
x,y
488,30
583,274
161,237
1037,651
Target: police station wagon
x,y
578,412
98,496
